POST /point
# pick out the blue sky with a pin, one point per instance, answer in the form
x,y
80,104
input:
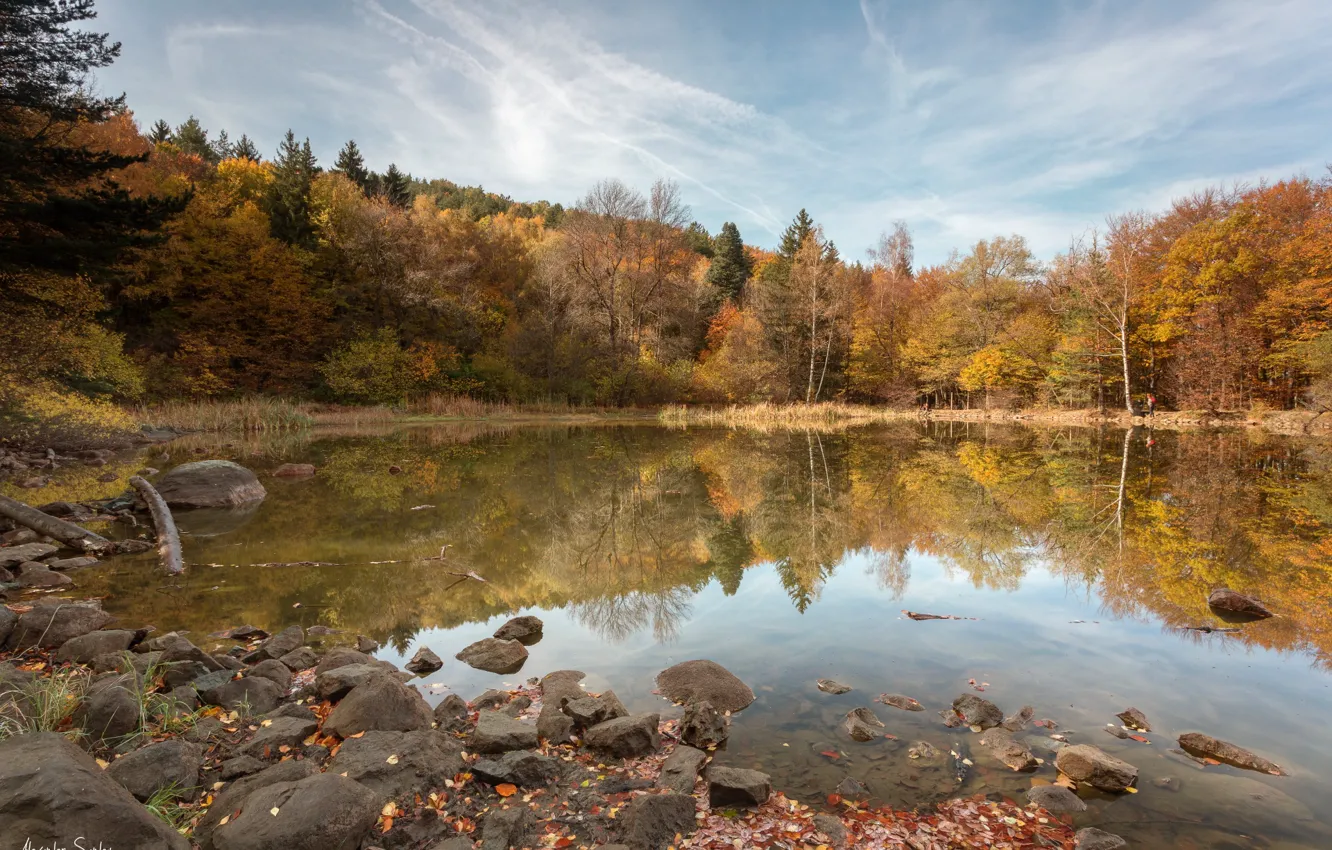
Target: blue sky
x,y
966,119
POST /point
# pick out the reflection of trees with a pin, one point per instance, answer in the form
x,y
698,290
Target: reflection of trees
x,y
617,618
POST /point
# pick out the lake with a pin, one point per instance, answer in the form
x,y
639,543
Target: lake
x,y
787,557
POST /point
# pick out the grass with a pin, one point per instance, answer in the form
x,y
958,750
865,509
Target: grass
x,y
255,413
44,704
165,805
781,416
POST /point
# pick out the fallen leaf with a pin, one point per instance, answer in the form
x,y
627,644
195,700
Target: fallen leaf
x,y
506,790
224,821
393,759
273,811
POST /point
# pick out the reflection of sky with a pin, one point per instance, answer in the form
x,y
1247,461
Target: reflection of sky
x,y
1024,644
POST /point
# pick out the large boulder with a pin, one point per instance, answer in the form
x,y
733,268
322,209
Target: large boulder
x,y
558,688
275,733
52,794
380,704
110,711
341,656
517,767
1205,746
399,764
1097,768
252,695
33,574
1240,606
588,711
210,484
652,821
50,625
702,680
494,655
452,714
321,812
679,772
527,630
335,684
84,648
732,786
274,671
499,733
287,640
977,711
625,737
12,556
230,798
168,764
505,828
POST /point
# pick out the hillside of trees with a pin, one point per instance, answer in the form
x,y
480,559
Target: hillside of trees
x,y
167,262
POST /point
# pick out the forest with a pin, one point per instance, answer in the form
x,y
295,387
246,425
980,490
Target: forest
x,y
142,263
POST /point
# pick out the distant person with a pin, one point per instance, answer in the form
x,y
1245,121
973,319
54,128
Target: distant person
x,y
1151,404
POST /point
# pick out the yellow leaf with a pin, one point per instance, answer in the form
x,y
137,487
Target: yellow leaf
x,y
273,811
393,759
389,810
102,763
224,820
266,724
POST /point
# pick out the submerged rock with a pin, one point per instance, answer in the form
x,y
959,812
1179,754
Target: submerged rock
x,y
976,711
862,725
1019,721
1056,799
1008,750
702,680
898,701
1205,746
527,630
831,686
1236,604
210,484
1134,719
1097,768
1095,839
494,655
424,662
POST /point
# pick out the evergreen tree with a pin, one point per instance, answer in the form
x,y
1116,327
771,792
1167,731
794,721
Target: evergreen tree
x,y
192,138
352,164
160,133
289,195
245,149
699,240
397,189
222,148
554,215
794,235
730,266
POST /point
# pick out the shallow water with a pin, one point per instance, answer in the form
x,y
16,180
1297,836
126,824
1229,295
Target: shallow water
x,y
788,557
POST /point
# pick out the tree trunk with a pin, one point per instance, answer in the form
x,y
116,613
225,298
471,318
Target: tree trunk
x,y
1124,352
55,528
168,540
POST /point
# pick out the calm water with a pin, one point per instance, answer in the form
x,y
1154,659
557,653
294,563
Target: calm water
x,y
788,557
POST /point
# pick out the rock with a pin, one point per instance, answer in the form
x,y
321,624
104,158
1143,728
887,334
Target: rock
x,y
210,484
1205,746
555,728
227,662
452,714
424,662
19,536
679,772
273,670
1169,783
461,843
49,626
527,630
518,705
704,681
6,577
505,828
276,733
231,797
1134,719
494,655
109,712
335,684
239,766
253,695
1094,839
862,725
291,709
73,563
831,827
341,656
1056,799
1228,602
703,726
730,786
394,469
851,788
557,688
899,701
212,681
1085,763
498,733
245,632
294,470
178,673
52,794
380,704
84,648
625,737
287,640
591,710
1019,721
33,574
491,699
517,767
172,763
301,658
176,647
12,556
830,686
652,821
1011,752
365,644
922,750
976,711
7,621
399,764
321,812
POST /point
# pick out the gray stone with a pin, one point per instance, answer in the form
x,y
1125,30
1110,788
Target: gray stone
x,y
300,658
452,713
679,772
239,766
380,704
341,656
253,695
291,709
977,711
502,829
212,681
625,737
494,655
1056,799
85,648
652,821
178,648
335,684
862,725
210,484
52,794
73,563
287,640
731,786
491,699
832,686
832,827
1134,719
7,621
424,662
460,843
1097,768
273,670
12,556
704,681
276,733
366,645
230,798
1008,750
1094,839
518,767
499,733
555,728
171,764
109,712
589,710
321,812
420,761
33,574
49,626
518,705
527,630
703,726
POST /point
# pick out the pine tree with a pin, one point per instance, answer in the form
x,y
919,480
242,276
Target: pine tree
x,y
699,240
352,164
160,133
245,149
730,267
289,195
397,189
794,235
192,138
222,148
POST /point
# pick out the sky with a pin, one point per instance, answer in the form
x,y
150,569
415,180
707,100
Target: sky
x,y
965,119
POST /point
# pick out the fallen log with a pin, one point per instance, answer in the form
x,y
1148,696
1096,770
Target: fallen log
x,y
914,615
168,540
57,529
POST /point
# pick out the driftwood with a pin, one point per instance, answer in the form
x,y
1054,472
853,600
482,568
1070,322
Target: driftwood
x,y
57,529
168,540
918,616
